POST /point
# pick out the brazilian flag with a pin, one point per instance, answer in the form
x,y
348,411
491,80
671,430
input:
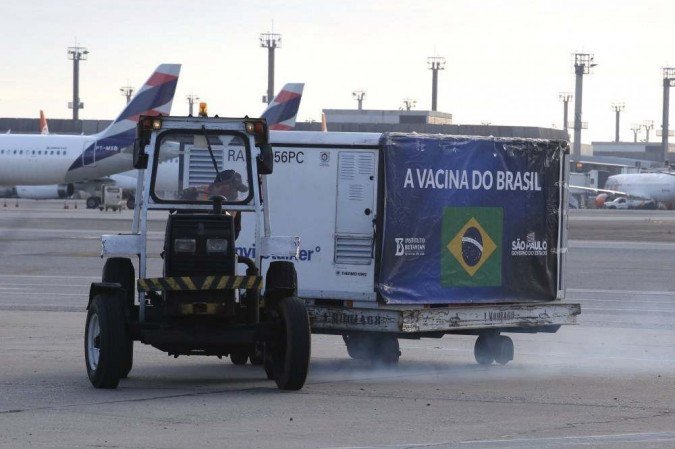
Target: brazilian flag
x,y
471,247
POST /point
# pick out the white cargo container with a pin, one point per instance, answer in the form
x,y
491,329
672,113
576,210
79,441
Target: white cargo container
x,y
329,189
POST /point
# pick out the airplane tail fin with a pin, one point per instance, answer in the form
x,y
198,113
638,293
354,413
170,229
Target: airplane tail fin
x,y
283,110
153,98
44,128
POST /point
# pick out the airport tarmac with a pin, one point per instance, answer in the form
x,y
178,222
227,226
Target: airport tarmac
x,y
608,382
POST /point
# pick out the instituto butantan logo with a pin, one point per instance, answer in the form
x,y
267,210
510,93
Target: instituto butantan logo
x,y
471,252
410,246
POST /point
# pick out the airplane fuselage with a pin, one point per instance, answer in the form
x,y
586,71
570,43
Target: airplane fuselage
x,y
53,159
655,186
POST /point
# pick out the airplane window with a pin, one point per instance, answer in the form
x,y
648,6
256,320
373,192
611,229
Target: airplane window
x,y
20,152
14,151
51,152
33,152
39,152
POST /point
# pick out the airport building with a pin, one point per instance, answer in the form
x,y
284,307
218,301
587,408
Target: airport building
x,y
342,120
432,122
640,151
56,126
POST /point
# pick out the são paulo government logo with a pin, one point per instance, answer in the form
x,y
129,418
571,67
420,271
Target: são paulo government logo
x,y
471,247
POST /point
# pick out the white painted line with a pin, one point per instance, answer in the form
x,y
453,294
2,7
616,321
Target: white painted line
x,y
639,292
637,310
15,286
537,442
43,294
47,276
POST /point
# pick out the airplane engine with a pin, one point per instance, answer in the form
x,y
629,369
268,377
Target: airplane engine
x,y
600,200
49,192
7,192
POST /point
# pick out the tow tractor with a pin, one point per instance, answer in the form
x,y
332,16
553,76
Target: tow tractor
x,y
198,305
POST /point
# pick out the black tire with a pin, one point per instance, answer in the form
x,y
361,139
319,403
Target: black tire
x,y
131,203
268,364
482,351
503,349
386,350
239,356
290,351
104,341
256,356
121,271
354,348
379,349
93,202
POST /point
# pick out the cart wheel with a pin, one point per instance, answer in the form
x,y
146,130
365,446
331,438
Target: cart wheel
x,y
93,202
256,356
290,351
355,347
268,364
482,351
503,349
131,203
380,349
385,350
105,342
239,356
121,271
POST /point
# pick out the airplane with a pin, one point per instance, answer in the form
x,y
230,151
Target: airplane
x,y
652,188
52,163
280,114
635,190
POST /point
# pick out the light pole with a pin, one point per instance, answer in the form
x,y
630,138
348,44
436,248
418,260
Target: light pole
x,y
435,64
191,99
127,91
636,129
565,97
270,41
668,81
409,103
648,125
76,54
359,95
618,108
583,62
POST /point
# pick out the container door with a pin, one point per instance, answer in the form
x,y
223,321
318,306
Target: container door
x,y
355,212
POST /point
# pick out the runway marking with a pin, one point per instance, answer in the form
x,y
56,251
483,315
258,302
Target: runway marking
x,y
46,276
629,310
6,286
540,442
621,244
40,308
46,294
599,290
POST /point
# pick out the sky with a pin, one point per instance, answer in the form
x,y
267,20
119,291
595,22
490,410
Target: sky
x,y
506,61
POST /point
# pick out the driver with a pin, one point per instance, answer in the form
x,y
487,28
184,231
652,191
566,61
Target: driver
x,y
227,184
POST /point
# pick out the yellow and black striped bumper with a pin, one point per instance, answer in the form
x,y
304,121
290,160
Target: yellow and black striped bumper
x,y
187,283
